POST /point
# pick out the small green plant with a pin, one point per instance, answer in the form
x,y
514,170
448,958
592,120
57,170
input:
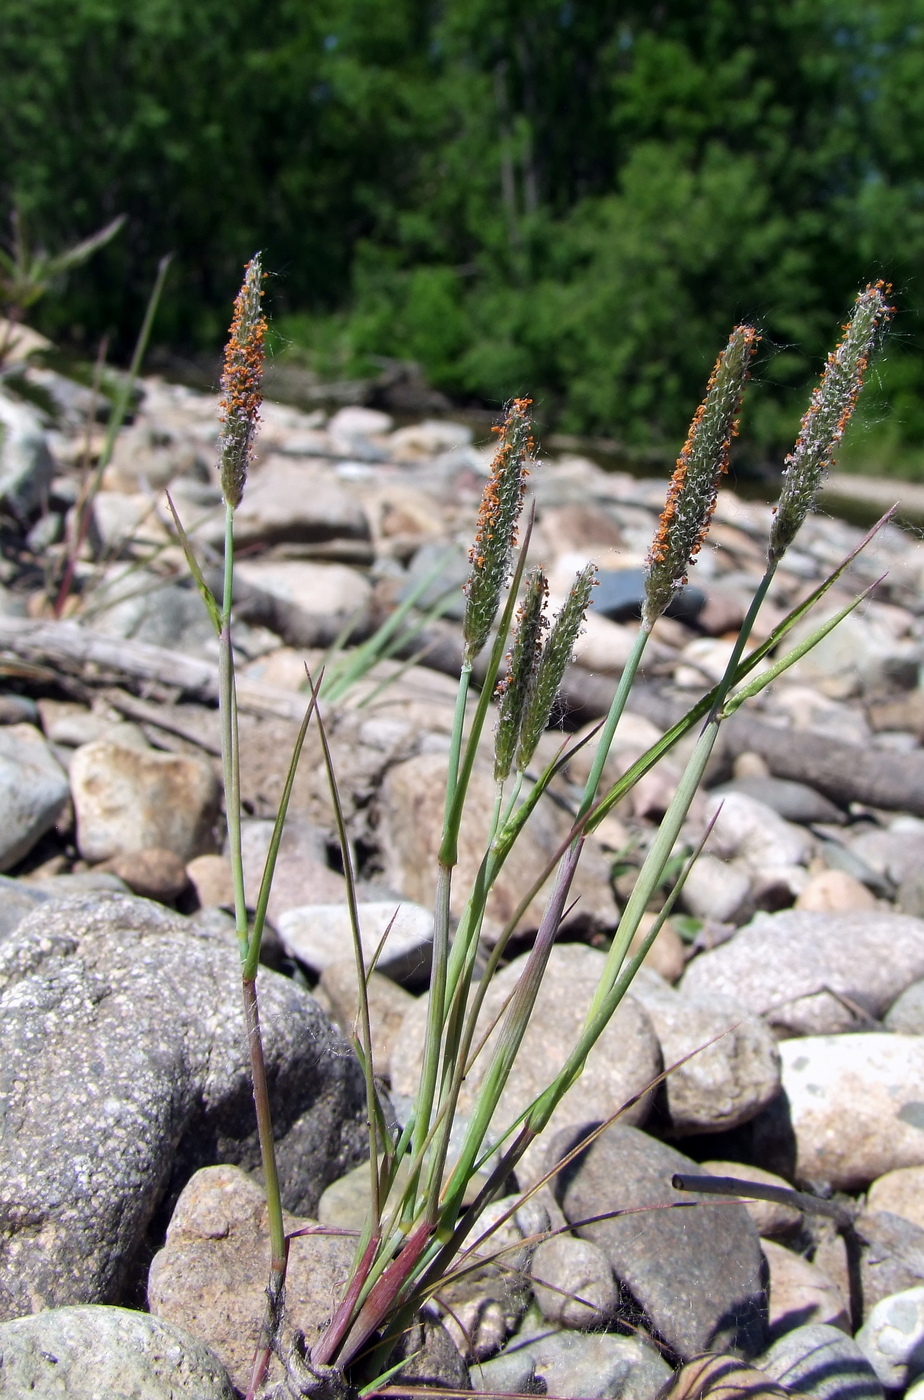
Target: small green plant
x,y
420,1218
27,272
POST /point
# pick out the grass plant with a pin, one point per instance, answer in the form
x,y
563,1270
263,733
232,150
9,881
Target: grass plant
x,y
420,1218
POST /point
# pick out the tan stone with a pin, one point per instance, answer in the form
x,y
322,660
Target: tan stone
x,y
901,1192
388,1005
835,892
152,873
210,1277
211,878
666,954
129,799
412,800
800,1293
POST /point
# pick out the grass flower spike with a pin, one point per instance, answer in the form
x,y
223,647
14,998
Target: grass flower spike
x,y
555,657
523,664
694,485
496,532
828,414
241,381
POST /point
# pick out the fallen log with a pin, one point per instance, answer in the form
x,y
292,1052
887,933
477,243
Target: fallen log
x,y
843,772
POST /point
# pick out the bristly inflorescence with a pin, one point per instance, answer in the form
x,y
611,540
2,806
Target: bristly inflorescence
x,y
496,531
523,659
703,461
828,414
556,654
241,384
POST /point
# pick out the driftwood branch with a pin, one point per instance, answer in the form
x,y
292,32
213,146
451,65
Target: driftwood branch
x,y
97,657
843,772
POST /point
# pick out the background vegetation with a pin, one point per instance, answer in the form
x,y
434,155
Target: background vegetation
x,y
567,196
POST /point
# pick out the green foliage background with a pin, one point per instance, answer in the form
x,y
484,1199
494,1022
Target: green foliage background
x,y
570,197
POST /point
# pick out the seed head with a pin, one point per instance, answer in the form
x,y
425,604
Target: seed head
x,y
704,459
523,660
828,414
555,657
241,381
496,530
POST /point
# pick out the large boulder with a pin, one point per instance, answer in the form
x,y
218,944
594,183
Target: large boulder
x,y
124,1070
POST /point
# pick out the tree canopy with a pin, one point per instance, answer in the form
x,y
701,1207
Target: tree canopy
x,y
567,197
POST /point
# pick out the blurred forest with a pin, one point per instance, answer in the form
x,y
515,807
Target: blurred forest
x,y
567,197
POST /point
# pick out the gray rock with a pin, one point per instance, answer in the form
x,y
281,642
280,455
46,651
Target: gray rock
x,y
89,1352
513,1372
306,603
906,1014
124,1070
896,853
285,501
753,833
891,1258
621,1065
301,875
128,799
573,1282
899,1192
33,791
593,1364
855,1105
794,967
448,567
621,593
27,467
731,1064
696,1272
320,934
795,802
820,1361
17,899
717,889
434,1358
892,1338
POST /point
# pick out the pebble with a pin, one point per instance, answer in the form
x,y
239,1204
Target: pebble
x,y
285,502
901,1192
834,892
212,880
210,1275
892,1338
855,1104
592,1365
906,1014
723,1061
128,799
27,467
89,1352
152,873
321,934
573,1283
33,791
716,889
800,1293
804,970
891,1258
17,899
695,1272
820,1361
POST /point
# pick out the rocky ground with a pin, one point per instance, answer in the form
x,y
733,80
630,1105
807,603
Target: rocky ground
x,y
127,1147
